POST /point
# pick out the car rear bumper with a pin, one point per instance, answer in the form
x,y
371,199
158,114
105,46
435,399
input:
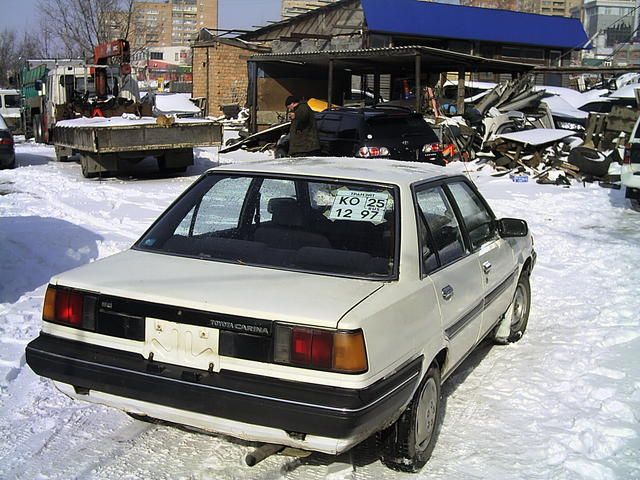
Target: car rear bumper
x,y
252,407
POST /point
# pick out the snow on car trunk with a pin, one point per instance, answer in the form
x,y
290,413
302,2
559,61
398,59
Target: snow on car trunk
x,y
562,403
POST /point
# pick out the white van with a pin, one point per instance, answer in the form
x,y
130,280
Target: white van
x,y
10,107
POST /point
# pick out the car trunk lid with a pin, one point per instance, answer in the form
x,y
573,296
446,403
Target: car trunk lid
x,y
223,288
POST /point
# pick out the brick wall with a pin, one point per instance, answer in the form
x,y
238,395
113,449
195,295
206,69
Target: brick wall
x,y
225,67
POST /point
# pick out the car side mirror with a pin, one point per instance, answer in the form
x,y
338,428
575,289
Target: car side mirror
x,y
512,227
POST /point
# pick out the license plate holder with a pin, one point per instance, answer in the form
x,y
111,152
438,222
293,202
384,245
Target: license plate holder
x,y
181,344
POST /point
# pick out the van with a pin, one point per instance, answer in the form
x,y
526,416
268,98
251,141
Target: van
x,y
10,108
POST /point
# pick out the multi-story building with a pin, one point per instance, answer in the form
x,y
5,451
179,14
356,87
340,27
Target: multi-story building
x,y
514,5
608,23
560,8
551,7
164,23
291,8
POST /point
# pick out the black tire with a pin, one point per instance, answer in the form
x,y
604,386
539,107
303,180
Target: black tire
x,y
521,307
635,204
37,129
280,153
407,445
85,171
589,161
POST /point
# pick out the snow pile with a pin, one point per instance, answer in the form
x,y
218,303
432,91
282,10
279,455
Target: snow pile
x,y
125,120
562,403
175,103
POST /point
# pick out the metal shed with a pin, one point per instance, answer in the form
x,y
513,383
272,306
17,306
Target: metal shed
x,y
407,60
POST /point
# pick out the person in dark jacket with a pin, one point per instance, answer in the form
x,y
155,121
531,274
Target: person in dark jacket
x,y
303,134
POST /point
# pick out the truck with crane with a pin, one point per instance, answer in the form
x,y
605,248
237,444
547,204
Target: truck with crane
x,y
95,110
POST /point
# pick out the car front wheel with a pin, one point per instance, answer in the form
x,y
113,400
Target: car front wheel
x,y
520,305
408,444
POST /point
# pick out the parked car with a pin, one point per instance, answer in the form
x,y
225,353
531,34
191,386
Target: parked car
x,y
10,108
308,304
630,170
7,148
374,132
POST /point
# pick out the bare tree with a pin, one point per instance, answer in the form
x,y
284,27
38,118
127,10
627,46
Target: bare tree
x,y
7,54
13,54
80,25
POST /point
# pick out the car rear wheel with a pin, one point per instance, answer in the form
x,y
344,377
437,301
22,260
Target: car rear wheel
x,y
408,444
635,204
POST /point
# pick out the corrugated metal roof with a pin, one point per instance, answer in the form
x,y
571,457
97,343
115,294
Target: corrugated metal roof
x,y
428,19
437,59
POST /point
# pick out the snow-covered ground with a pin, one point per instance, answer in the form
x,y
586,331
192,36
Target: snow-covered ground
x,y
563,403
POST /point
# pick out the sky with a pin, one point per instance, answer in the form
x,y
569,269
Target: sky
x,y
240,14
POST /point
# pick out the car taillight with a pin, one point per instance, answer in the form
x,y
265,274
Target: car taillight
x,y
626,160
69,308
432,148
369,152
336,351
6,141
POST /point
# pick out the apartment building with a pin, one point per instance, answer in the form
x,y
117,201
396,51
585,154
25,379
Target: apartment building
x,y
608,23
165,23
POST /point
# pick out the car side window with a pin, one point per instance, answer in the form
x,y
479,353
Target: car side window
x,y
479,222
446,237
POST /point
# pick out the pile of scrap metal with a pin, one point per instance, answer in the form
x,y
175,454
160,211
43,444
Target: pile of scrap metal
x,y
514,128
257,142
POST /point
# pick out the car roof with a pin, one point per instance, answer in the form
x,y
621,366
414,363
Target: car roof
x,y
401,173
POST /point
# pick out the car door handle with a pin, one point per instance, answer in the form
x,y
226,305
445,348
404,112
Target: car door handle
x,y
486,267
447,292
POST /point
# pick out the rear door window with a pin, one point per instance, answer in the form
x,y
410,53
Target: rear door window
x,y
441,241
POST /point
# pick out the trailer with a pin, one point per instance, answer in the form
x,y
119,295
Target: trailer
x,y
109,145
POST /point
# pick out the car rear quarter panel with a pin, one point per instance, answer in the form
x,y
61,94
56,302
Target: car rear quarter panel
x,y
400,322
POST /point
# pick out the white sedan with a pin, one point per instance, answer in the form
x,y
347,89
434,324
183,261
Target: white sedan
x,y
306,303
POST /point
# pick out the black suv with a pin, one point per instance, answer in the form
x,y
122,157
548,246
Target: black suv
x,y
374,132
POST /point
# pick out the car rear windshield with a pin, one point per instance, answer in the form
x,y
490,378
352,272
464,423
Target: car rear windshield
x,y
292,223
399,127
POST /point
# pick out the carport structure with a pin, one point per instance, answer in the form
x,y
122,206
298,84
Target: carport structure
x,y
334,65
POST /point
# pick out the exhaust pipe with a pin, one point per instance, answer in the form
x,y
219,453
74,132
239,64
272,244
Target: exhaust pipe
x,y
262,452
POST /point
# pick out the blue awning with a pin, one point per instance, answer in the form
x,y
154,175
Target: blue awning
x,y
438,20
